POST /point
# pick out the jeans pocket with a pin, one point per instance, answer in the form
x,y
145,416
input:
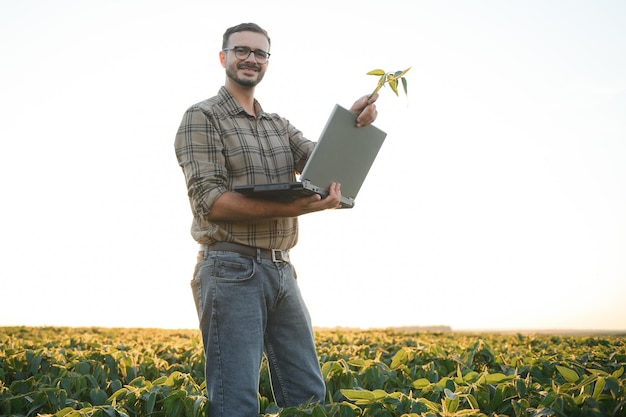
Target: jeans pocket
x,y
235,269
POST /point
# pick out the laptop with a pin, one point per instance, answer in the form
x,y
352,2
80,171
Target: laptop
x,y
344,153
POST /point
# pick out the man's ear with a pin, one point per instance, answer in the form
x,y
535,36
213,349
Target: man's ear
x,y
223,59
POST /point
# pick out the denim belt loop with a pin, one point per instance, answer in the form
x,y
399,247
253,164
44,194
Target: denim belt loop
x,y
258,255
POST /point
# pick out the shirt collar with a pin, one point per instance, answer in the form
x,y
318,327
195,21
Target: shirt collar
x,y
233,108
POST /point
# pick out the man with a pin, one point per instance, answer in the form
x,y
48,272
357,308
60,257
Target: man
x,y
244,286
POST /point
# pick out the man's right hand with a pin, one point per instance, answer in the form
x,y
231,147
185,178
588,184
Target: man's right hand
x,y
315,202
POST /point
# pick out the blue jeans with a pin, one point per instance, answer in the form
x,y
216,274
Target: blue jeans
x,y
248,306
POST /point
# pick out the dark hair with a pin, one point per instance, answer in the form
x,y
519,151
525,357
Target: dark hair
x,y
244,27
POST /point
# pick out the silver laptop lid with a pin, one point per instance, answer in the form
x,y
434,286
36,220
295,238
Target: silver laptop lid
x,y
344,154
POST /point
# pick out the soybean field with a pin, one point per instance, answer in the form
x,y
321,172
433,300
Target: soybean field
x,y
73,372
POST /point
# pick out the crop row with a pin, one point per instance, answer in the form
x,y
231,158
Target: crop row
x,y
152,372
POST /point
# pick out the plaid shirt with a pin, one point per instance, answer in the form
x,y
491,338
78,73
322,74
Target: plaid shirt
x,y
218,146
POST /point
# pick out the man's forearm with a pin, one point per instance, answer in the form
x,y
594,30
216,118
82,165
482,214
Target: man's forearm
x,y
234,207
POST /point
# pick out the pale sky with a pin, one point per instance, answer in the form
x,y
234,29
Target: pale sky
x,y
498,200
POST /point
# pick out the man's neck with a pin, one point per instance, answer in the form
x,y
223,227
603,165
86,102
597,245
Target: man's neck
x,y
243,95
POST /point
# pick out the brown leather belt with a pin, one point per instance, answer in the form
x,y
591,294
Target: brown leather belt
x,y
275,255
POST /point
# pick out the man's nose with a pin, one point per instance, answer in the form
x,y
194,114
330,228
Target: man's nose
x,y
251,57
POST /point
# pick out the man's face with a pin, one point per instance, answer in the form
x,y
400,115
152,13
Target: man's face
x,y
245,72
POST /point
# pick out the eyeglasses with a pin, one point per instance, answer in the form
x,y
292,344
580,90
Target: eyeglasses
x,y
243,52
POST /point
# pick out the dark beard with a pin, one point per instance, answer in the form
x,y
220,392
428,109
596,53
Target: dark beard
x,y
244,82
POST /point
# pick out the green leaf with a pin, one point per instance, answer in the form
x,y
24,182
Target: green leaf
x,y
520,387
197,406
404,85
471,377
520,406
613,385
364,396
405,71
452,401
497,378
399,358
451,395
98,396
119,394
379,394
376,72
172,379
569,374
598,388
356,362
64,412
498,396
472,402
357,394
318,411
394,85
420,383
150,403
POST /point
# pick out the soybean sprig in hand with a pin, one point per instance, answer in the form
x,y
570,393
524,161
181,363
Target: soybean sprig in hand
x,y
390,78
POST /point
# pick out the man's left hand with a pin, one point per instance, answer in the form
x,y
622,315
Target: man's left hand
x,y
365,110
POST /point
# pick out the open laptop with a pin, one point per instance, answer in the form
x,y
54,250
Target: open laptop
x,y
344,154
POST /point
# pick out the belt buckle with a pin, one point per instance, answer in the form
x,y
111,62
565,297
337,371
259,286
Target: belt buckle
x,y
279,255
